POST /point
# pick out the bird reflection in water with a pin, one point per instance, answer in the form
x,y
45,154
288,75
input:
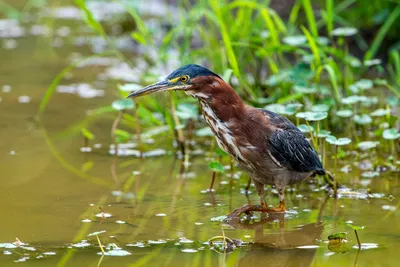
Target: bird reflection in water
x,y
280,248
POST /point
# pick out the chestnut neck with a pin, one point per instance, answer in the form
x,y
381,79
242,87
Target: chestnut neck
x,y
221,98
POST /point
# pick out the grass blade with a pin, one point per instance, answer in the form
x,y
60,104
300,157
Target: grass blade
x,y
312,24
313,46
329,16
60,76
90,20
382,33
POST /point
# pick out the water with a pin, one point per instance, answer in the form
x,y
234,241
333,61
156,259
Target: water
x,y
49,190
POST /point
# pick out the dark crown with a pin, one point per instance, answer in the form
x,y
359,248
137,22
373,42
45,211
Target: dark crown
x,y
192,70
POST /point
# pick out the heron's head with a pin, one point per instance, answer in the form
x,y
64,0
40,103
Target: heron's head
x,y
190,78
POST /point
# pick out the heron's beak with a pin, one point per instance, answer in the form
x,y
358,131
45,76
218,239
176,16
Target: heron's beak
x,y
156,87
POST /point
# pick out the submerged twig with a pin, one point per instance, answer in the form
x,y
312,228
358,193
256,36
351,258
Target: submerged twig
x,y
114,128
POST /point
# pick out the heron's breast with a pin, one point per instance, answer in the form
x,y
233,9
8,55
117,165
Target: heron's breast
x,y
226,139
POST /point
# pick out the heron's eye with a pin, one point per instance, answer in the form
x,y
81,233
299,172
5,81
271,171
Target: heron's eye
x,y
184,78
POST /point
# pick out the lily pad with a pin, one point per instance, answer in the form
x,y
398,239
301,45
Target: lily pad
x,y
344,113
296,40
129,87
320,108
206,131
391,134
282,109
372,62
354,227
219,218
96,233
187,111
350,100
363,119
338,141
367,145
220,152
322,40
369,174
312,116
305,128
115,252
344,31
122,104
364,84
216,166
304,89
380,112
338,236
323,133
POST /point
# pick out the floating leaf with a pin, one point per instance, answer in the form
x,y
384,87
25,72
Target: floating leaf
x,y
365,246
322,40
337,141
364,84
323,133
305,90
296,40
220,152
206,131
355,227
282,109
372,62
340,236
391,134
96,233
362,119
344,31
115,252
129,87
369,174
312,116
187,111
227,75
122,104
277,108
344,113
320,108
316,116
218,218
216,166
353,99
380,112
367,145
87,134
305,128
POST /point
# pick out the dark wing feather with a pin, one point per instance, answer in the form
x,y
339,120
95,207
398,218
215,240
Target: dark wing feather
x,y
289,146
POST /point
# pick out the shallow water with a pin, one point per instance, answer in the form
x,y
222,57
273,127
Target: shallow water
x,y
48,186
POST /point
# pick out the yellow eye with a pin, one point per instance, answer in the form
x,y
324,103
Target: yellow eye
x,y
184,78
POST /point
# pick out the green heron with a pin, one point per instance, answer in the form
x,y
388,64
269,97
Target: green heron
x,y
268,146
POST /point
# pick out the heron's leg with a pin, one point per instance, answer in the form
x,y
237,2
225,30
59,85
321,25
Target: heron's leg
x,y
246,189
281,206
261,192
248,208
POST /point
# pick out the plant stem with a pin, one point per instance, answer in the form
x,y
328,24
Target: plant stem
x,y
177,129
336,171
212,181
358,239
138,129
114,128
100,245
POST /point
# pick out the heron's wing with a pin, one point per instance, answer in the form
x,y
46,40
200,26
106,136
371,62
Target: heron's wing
x,y
288,146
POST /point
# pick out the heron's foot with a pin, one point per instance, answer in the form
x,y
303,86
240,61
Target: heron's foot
x,y
280,208
247,209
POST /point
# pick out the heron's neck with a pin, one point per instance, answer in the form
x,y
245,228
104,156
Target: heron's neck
x,y
223,101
